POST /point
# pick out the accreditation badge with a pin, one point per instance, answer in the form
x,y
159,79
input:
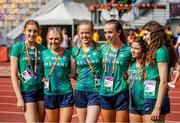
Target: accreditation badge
x,y
108,83
27,75
150,86
46,84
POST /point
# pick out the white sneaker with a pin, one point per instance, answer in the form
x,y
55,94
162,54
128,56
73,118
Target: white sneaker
x,y
172,84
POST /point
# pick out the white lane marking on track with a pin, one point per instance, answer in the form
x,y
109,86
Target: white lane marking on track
x,y
5,85
6,90
175,104
172,97
167,121
174,91
8,96
8,112
175,112
8,104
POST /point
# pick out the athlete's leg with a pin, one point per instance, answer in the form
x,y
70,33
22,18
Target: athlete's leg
x,y
92,113
30,112
108,115
40,111
81,113
66,114
122,116
52,115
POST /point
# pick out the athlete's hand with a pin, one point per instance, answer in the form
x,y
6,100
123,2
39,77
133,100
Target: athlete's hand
x,y
43,79
21,104
155,115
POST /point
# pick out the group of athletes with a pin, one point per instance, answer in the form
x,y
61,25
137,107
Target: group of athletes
x,y
41,77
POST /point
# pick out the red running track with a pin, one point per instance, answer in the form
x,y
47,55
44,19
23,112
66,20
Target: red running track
x,y
9,113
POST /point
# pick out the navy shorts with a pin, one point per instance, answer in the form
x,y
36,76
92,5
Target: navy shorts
x,y
149,104
33,96
116,102
86,98
58,101
137,112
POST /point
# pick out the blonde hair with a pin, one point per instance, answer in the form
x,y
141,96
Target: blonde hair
x,y
55,30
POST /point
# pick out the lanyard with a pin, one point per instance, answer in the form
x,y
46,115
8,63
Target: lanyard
x,y
35,56
54,64
134,78
92,69
114,61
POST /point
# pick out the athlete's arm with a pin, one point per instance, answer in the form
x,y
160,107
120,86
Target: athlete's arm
x,y
72,68
15,82
163,73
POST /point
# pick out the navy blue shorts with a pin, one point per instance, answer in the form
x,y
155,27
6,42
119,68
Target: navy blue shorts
x,y
149,104
33,96
86,98
116,102
58,101
137,112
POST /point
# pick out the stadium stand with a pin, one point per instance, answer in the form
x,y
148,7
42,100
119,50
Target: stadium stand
x,y
13,12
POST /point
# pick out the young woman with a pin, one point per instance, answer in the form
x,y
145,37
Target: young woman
x,y
57,87
27,73
88,61
114,88
160,57
137,76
